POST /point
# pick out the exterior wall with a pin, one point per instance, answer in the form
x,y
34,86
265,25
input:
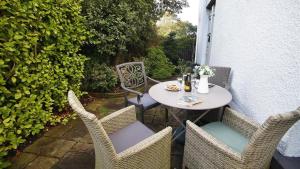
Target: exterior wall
x,y
202,30
260,41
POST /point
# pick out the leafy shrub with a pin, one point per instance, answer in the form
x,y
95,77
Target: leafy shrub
x,y
39,63
118,26
99,77
123,27
157,64
180,42
183,67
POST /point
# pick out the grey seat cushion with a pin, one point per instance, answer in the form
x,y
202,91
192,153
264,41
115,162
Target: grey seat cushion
x,y
146,101
130,136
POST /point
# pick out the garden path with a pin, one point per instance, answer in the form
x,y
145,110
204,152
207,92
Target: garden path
x,y
70,146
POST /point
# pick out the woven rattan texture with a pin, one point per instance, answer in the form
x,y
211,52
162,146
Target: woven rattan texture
x,y
153,152
203,151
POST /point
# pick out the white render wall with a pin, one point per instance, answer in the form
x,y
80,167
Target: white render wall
x,y
202,30
260,41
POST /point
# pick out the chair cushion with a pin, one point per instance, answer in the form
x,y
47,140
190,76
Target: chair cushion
x,y
130,136
146,101
227,135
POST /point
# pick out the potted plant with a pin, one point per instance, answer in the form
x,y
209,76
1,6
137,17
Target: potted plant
x,y
204,71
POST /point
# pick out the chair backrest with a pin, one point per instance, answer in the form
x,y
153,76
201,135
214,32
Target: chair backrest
x,y
132,74
221,77
264,141
105,154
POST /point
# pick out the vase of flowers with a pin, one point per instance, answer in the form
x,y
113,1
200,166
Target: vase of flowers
x,y
204,72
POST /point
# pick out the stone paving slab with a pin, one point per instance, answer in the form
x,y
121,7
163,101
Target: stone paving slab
x,y
77,160
104,106
48,146
77,133
42,163
81,147
58,131
21,160
87,139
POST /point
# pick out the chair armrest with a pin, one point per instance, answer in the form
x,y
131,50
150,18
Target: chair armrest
x,y
153,152
119,119
132,91
153,80
199,142
240,122
139,94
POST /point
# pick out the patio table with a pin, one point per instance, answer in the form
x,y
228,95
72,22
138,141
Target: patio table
x,y
216,98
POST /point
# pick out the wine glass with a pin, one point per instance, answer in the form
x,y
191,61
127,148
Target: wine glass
x,y
193,79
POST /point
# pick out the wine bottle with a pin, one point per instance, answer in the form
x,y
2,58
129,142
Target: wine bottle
x,y
188,83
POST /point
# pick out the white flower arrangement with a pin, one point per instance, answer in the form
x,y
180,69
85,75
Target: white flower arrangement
x,y
204,70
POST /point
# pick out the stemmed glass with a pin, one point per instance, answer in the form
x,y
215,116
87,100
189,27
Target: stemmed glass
x,y
193,80
180,81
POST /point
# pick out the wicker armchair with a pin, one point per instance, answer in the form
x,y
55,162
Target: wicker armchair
x,y
221,77
132,76
120,141
236,142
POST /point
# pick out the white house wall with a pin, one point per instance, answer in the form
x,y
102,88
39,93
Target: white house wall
x,y
202,30
260,41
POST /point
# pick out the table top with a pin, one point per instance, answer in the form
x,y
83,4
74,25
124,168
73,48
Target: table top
x,y
215,98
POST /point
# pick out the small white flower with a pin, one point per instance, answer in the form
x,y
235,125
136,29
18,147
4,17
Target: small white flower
x,y
204,70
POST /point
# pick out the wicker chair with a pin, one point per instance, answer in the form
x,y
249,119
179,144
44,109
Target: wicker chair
x,y
132,76
120,141
221,77
236,142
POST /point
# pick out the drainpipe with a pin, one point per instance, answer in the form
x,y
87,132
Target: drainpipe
x,y
210,34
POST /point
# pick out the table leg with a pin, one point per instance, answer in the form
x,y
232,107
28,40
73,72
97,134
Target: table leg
x,y
178,120
166,116
200,117
221,113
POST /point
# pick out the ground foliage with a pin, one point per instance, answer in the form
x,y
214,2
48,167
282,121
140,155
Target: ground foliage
x,y
39,63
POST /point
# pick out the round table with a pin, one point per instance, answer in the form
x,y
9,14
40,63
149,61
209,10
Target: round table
x,y
217,97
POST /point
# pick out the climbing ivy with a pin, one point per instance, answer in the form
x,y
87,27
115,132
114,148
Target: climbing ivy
x,y
39,63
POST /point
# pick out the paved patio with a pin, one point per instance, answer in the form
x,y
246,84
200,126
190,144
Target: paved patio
x,y
70,146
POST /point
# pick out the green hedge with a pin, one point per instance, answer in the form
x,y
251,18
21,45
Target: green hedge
x,y
39,63
157,64
99,77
